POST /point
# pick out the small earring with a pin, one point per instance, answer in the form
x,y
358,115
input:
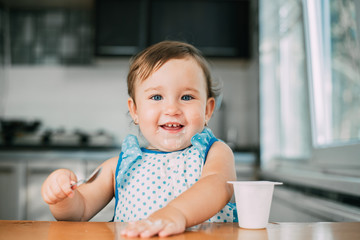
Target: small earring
x,y
206,124
136,122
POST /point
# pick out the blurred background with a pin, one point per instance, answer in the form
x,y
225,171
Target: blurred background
x,y
290,105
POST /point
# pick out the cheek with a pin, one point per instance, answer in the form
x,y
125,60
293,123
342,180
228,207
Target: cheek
x,y
147,113
197,114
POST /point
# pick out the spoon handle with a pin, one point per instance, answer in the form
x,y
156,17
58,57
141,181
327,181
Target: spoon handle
x,y
91,178
77,184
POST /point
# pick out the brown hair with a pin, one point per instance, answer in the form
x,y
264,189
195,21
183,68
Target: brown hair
x,y
152,58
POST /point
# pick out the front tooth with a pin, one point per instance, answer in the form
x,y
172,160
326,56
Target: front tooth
x,y
172,125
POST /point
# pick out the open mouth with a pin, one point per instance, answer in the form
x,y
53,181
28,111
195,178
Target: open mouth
x,y
172,126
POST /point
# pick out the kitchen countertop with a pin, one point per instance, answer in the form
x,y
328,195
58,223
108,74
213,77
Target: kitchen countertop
x,y
93,154
109,230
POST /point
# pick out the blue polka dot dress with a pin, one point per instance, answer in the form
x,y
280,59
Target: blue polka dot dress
x,y
148,180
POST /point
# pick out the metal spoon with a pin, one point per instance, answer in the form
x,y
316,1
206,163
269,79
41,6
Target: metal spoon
x,y
90,179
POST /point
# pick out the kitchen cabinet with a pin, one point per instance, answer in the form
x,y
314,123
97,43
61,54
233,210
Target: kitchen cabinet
x,y
226,35
289,205
284,210
22,175
12,186
37,172
60,36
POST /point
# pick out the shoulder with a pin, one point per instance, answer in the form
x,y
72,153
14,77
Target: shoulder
x,y
220,160
112,161
110,165
109,170
219,148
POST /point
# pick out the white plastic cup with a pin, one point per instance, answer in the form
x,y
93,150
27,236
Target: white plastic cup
x,y
253,202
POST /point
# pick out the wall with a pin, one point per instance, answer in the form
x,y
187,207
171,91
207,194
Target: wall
x,y
94,97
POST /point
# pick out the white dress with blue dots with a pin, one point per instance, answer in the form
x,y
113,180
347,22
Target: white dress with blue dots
x,y
148,180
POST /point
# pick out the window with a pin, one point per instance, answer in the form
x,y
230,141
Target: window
x,y
310,84
336,85
284,105
334,58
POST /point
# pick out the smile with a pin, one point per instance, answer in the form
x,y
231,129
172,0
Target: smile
x,y
172,126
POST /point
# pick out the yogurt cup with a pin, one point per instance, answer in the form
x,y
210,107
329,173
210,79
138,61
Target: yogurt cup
x,y
253,202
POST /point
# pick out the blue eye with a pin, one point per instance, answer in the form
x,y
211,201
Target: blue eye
x,y
186,98
156,97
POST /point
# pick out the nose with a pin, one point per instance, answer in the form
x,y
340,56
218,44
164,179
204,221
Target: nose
x,y
172,108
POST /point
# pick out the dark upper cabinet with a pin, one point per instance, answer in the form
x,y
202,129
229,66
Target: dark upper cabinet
x,y
219,28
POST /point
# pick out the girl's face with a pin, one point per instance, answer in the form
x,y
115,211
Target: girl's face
x,y
172,105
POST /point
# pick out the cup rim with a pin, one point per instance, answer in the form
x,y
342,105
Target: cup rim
x,y
254,183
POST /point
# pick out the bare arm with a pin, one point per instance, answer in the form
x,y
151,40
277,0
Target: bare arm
x,y
199,203
212,192
84,202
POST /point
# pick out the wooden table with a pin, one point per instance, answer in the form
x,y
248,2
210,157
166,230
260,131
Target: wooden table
x,y
108,230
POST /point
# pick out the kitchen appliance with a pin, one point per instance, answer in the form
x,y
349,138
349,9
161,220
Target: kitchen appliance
x,y
14,128
28,134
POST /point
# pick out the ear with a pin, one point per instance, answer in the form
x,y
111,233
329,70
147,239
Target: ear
x,y
210,106
132,110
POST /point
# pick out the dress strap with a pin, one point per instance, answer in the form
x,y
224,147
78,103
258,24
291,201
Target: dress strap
x,y
131,152
203,141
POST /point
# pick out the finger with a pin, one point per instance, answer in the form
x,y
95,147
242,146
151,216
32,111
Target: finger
x,y
44,193
47,192
153,228
46,198
73,185
50,196
134,229
56,194
56,190
64,183
170,229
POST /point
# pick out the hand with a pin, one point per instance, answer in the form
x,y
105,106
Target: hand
x,y
56,187
166,221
